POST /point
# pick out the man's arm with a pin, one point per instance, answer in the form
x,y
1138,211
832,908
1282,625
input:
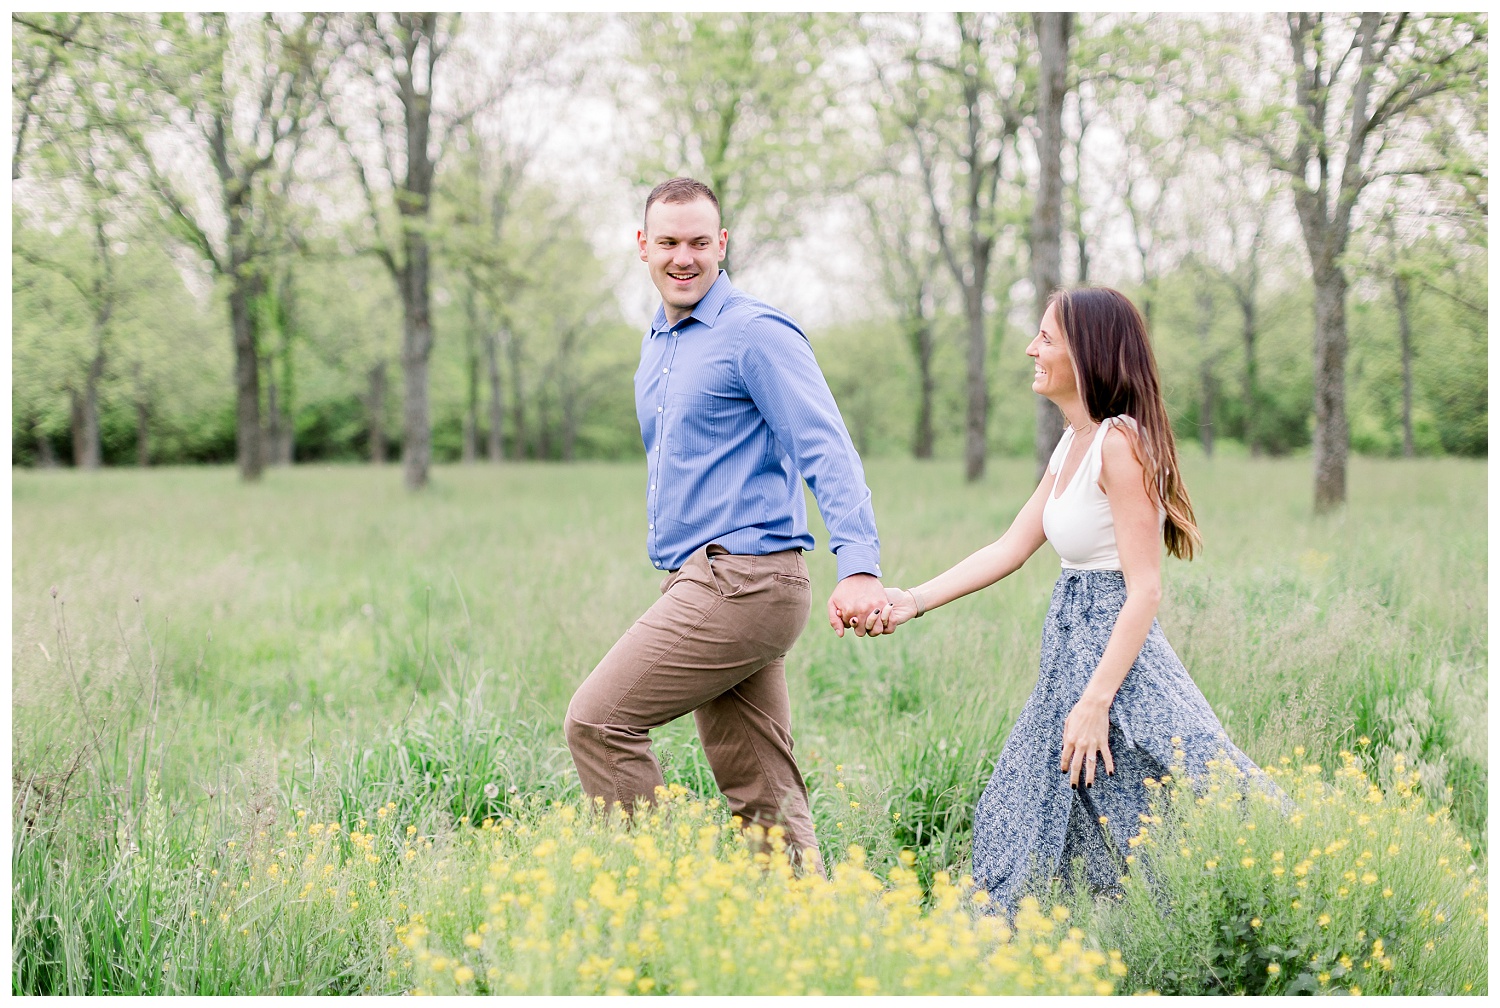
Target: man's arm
x,y
782,376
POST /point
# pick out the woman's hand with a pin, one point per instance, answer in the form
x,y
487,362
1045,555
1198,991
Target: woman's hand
x,y
1085,734
899,608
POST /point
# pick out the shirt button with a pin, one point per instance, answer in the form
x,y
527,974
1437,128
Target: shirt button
x,y
658,409
663,370
651,526
658,448
653,486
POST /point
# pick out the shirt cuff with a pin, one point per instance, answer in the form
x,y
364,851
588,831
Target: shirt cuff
x,y
856,559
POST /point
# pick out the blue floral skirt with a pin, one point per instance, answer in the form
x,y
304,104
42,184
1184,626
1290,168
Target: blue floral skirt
x,y
1030,825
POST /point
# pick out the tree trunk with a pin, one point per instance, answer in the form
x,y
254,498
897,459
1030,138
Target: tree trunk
x,y
496,442
247,439
920,330
517,402
543,424
376,413
87,451
46,456
1403,316
416,350
471,379
414,202
75,425
1205,369
1046,218
273,417
570,412
1080,235
976,419
285,446
1330,348
142,432
1252,431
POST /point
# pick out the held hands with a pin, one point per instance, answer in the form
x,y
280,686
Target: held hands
x,y
858,601
1085,734
887,611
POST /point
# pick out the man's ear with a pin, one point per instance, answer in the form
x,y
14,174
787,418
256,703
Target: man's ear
x,y
640,241
723,244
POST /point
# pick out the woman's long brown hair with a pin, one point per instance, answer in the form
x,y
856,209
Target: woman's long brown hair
x,y
1116,373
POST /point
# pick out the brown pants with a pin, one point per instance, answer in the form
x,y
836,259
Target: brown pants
x,y
715,643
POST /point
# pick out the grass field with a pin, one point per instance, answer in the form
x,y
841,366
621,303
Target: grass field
x,y
219,658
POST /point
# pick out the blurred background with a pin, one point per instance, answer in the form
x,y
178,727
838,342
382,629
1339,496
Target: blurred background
x,y
294,238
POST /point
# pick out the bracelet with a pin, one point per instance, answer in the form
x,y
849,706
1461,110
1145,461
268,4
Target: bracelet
x,y
916,601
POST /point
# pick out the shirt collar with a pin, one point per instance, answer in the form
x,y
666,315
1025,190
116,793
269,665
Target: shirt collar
x,y
705,311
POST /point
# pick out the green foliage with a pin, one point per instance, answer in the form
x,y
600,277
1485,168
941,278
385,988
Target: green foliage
x,y
1345,888
459,759
165,348
785,114
748,103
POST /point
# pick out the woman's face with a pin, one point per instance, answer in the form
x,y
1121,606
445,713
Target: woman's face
x,y
1054,377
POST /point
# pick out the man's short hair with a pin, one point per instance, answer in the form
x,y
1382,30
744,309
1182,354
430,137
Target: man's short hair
x,y
681,190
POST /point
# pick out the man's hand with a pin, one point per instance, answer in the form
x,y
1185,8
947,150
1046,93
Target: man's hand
x,y
853,602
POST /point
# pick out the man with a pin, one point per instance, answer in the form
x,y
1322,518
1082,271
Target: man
x,y
734,415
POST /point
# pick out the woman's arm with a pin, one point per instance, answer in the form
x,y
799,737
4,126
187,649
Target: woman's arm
x,y
1138,538
979,569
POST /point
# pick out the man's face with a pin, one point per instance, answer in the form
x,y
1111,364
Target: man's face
x,y
683,245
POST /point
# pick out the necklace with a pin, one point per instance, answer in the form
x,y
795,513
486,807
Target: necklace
x,y
1077,430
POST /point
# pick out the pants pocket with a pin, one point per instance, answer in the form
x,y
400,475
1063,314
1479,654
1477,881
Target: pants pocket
x,y
732,573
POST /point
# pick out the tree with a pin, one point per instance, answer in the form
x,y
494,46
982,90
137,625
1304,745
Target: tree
x,y
1230,247
1406,251
1358,84
226,99
541,317
40,49
963,108
1052,32
400,54
748,104
909,267
396,149
78,157
1140,93
1205,303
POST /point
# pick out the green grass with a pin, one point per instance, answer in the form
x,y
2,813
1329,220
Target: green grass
x,y
325,640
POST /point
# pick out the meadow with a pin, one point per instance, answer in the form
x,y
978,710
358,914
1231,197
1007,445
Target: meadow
x,y
202,672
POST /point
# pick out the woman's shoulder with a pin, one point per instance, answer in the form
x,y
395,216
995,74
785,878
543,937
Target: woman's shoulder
x,y
1117,442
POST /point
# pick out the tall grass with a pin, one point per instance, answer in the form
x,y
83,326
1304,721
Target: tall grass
x,y
218,655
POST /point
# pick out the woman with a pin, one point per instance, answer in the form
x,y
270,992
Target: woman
x,y
1113,704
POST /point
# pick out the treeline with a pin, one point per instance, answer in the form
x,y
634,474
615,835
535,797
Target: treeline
x,y
272,239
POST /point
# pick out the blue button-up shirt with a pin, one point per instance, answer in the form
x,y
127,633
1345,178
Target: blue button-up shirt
x,y
734,414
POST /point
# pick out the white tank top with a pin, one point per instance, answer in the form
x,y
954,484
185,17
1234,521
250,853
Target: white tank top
x,y
1077,519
